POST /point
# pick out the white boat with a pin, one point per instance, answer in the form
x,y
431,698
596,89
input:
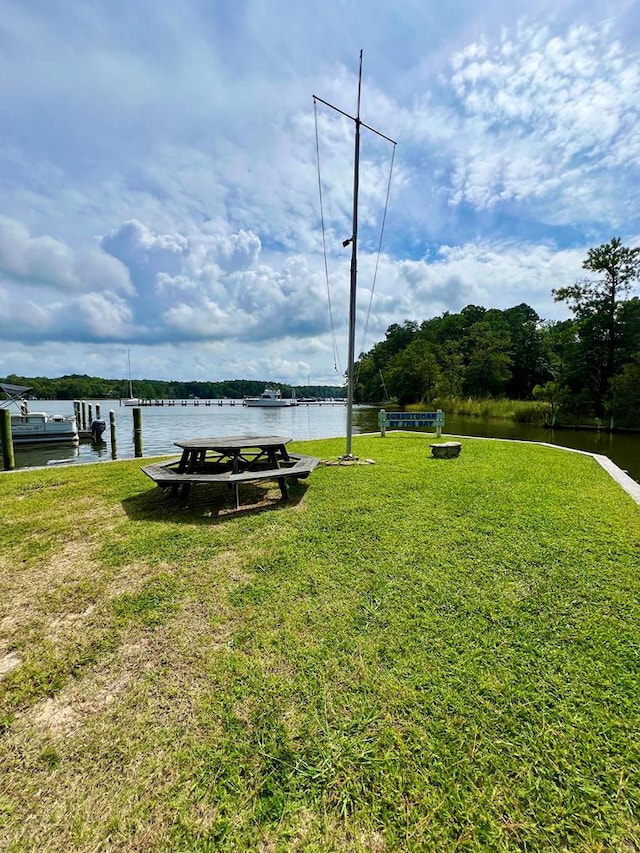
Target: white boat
x,y
41,428
131,400
37,427
271,398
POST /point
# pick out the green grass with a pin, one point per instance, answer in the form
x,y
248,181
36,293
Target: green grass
x,y
521,411
414,655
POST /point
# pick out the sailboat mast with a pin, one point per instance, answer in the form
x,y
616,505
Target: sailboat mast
x,y
354,250
130,383
354,272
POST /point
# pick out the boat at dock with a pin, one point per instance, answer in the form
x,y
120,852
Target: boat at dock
x,y
130,400
271,398
37,427
42,428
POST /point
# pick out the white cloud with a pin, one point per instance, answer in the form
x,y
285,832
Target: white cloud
x,y
47,262
186,138
92,316
497,275
213,286
543,116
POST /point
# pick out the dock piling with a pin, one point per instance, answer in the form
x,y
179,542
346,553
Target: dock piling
x,y
8,458
112,427
137,432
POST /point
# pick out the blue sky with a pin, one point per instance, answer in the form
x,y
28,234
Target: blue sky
x,y
158,183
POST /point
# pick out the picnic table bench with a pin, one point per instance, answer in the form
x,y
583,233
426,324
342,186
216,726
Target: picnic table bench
x,y
232,460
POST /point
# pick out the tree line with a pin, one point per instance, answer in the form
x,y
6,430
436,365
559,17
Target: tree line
x,y
586,367
83,387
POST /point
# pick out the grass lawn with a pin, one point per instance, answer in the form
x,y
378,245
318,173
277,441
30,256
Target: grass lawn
x,y
414,655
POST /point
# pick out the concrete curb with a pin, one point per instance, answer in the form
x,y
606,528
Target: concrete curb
x,y
630,486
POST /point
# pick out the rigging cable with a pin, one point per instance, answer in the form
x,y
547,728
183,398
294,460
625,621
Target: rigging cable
x,y
336,357
375,272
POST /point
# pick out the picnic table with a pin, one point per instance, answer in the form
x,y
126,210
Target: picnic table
x,y
231,459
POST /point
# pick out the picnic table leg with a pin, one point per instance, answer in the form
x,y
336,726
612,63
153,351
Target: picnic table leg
x,y
235,469
184,460
276,455
182,467
283,488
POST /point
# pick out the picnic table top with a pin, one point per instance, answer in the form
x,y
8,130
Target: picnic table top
x,y
232,442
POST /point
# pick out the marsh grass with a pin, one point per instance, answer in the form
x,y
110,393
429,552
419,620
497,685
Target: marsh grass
x,y
521,411
414,655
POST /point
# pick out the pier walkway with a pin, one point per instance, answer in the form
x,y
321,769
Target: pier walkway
x,y
227,401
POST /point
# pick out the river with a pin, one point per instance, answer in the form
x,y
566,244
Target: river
x,y
162,425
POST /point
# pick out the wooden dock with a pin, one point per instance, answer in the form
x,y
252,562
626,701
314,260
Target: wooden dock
x,y
227,401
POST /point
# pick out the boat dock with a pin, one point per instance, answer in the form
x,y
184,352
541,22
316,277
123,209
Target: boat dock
x,y
227,401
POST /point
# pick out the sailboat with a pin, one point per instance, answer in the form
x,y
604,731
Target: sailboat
x,y
353,240
131,400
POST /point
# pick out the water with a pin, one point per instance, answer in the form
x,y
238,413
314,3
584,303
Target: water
x,y
163,425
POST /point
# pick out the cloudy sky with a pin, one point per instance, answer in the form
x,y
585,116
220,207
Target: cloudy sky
x,y
159,182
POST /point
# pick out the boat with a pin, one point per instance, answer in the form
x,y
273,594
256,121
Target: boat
x,y
271,398
41,428
130,400
37,427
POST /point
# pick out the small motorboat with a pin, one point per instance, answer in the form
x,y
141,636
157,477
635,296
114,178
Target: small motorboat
x,y
37,427
41,428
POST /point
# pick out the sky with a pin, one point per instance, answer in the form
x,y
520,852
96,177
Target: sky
x,y
159,178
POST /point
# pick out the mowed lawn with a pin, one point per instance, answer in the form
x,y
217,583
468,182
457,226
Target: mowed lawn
x,y
410,655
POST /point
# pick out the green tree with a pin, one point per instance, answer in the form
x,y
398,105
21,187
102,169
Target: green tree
x,y
413,374
398,338
596,304
625,402
530,360
451,369
629,317
368,385
489,363
550,392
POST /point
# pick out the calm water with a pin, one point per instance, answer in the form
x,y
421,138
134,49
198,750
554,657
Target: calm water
x,y
161,426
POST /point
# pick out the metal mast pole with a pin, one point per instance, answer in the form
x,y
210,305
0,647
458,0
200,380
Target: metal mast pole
x,y
354,273
354,251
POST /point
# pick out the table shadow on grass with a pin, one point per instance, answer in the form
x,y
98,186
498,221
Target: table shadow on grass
x,y
207,504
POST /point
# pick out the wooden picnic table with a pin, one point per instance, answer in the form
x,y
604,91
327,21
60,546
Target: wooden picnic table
x,y
232,459
240,451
